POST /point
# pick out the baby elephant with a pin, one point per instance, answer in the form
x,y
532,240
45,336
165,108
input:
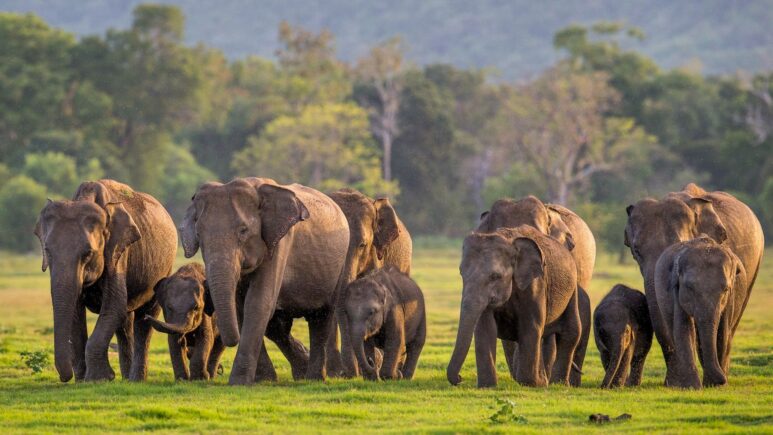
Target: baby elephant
x,y
385,310
623,333
190,323
701,289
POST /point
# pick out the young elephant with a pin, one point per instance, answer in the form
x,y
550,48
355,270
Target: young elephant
x,y
519,285
385,310
700,285
193,334
623,333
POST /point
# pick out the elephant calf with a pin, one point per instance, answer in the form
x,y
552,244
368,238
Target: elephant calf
x,y
700,285
385,309
193,335
623,333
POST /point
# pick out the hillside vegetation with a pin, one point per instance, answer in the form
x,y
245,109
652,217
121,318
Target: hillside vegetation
x,y
512,36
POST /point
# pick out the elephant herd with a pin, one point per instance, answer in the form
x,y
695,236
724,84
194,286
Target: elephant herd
x,y
274,253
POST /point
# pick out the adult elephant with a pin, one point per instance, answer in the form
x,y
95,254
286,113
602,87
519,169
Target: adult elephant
x,y
519,285
283,248
654,225
107,249
377,238
569,229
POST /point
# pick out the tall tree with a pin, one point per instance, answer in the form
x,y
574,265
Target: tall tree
x,y
557,124
382,69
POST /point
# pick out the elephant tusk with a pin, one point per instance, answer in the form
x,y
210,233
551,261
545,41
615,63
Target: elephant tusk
x,y
577,369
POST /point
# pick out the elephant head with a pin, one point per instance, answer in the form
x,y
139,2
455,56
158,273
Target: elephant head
x,y
558,229
705,277
655,225
373,226
237,226
508,213
366,306
184,299
493,266
81,241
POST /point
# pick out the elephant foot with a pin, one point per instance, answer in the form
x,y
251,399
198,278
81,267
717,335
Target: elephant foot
x,y
369,375
262,377
454,379
200,377
315,376
99,372
235,379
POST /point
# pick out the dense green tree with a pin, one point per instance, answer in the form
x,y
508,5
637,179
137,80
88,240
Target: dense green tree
x,y
427,160
34,81
326,147
56,171
21,199
182,176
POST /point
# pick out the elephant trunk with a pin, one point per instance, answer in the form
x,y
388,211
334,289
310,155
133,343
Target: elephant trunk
x,y
222,277
713,375
357,339
65,289
471,310
172,328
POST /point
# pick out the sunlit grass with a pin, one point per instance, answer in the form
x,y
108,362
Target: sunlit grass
x,y
39,402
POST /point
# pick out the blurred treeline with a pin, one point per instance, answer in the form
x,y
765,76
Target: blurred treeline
x,y
601,128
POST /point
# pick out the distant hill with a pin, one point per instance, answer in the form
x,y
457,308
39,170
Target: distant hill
x,y
513,36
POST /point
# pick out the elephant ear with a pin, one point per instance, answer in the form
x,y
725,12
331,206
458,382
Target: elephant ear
x,y
122,232
707,219
190,239
529,262
160,289
280,210
209,306
558,228
40,232
387,229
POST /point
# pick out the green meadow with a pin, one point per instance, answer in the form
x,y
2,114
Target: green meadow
x,y
38,402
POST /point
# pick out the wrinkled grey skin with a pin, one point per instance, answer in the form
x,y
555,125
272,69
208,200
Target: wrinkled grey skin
x,y
107,249
188,314
519,285
654,225
701,288
377,238
268,250
623,333
385,309
570,230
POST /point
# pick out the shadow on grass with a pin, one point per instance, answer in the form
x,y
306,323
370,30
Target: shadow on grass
x,y
735,419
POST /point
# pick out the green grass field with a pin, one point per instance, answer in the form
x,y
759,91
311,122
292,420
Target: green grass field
x,y
40,403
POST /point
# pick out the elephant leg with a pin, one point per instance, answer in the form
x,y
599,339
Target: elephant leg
x,y
530,328
321,325
348,358
394,346
178,357
279,331
660,328
413,350
264,370
548,354
510,348
125,337
583,304
112,315
486,349
622,375
724,340
142,334
79,338
567,338
214,356
335,365
641,345
200,355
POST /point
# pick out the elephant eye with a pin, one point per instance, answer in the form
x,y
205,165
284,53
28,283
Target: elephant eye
x,y
87,255
495,276
363,245
243,230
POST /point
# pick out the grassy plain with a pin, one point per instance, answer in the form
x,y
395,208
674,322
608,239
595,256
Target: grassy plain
x,y
40,403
